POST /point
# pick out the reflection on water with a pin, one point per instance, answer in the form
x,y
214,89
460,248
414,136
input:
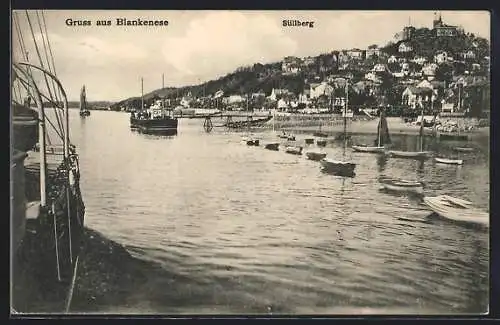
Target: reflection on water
x,y
254,230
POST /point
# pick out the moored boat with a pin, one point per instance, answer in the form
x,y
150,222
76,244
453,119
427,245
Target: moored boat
x,y
317,156
463,149
338,167
382,138
457,209
252,142
401,185
272,146
294,150
157,119
309,141
409,154
321,143
449,161
365,148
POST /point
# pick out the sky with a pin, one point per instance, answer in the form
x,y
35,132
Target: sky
x,y
198,46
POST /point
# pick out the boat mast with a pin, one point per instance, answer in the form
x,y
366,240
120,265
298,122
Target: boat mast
x,y
142,93
345,112
422,130
379,129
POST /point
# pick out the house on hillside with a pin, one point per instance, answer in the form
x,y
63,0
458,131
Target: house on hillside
x,y
356,54
392,59
405,48
429,71
380,68
309,61
277,93
259,94
318,90
420,60
291,65
415,97
372,52
468,55
443,30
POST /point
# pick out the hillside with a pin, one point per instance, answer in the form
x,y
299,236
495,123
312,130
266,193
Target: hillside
x,y
265,77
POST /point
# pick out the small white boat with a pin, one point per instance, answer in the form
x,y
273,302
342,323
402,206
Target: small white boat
x,y
294,150
337,166
463,149
401,185
363,148
457,209
449,161
409,154
311,155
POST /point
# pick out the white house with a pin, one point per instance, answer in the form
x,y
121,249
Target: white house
x,y
379,68
441,57
429,70
392,59
233,99
420,60
372,52
405,48
277,93
318,90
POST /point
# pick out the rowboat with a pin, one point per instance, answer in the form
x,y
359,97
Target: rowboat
x,y
309,141
294,150
338,167
321,143
291,138
272,146
401,185
463,149
457,209
363,148
409,154
449,161
253,142
317,156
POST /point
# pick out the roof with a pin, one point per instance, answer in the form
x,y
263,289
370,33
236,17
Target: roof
x,y
416,91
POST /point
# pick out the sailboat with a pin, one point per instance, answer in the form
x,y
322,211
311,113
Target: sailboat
x,y
340,167
382,137
84,111
421,154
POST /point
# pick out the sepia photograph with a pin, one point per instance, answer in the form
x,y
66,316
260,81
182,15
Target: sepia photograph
x,y
232,162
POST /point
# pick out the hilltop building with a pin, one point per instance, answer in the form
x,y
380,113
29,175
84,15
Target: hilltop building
x,y
443,30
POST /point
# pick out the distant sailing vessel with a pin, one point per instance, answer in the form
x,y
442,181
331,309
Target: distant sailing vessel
x,y
157,119
383,138
84,111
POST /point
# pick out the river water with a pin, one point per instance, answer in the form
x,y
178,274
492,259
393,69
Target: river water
x,y
267,232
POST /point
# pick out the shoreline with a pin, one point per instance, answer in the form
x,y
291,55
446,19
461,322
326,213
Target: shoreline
x,y
365,127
